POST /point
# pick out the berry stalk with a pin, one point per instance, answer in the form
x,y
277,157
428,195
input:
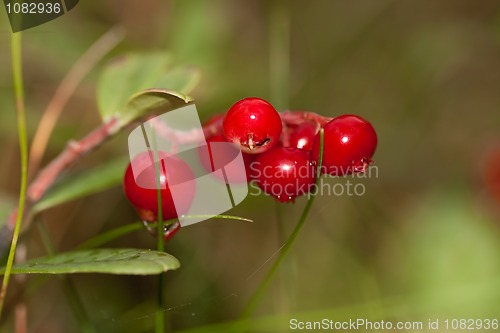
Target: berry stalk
x,y
259,293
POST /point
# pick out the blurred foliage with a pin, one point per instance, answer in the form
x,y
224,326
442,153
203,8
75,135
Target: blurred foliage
x,y
422,242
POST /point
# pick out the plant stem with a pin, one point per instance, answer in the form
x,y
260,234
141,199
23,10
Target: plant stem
x,y
46,178
298,117
73,151
110,235
76,149
285,277
66,88
259,293
279,77
160,313
23,144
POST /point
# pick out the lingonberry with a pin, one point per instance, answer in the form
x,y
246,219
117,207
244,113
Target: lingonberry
x,y
215,157
253,124
213,126
140,185
349,144
302,136
284,172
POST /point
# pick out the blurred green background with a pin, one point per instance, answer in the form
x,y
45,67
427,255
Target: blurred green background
x,y
424,240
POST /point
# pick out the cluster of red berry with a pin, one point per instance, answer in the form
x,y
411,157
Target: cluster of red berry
x,y
280,151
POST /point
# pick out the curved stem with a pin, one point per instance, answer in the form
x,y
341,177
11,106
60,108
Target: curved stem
x,y
259,293
112,234
294,118
64,91
23,144
109,236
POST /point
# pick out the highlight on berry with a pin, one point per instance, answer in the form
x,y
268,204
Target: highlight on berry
x,y
280,150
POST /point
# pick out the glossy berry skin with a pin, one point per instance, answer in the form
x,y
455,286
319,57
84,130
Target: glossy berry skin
x,y
254,124
302,137
142,192
349,144
284,173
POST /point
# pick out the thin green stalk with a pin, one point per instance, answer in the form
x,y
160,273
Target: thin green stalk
x,y
287,273
160,313
109,236
17,74
113,234
160,242
221,217
259,293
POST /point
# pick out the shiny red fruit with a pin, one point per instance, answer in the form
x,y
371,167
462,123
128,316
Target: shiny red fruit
x,y
141,188
284,173
349,144
303,136
254,124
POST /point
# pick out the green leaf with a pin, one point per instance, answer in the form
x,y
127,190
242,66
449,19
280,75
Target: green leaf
x,y
77,185
150,102
135,72
106,261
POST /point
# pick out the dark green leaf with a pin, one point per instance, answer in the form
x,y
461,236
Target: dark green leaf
x,y
132,73
152,101
106,261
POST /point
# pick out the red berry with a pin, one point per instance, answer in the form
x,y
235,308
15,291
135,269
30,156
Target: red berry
x,y
142,192
253,124
218,157
303,136
213,126
349,144
284,172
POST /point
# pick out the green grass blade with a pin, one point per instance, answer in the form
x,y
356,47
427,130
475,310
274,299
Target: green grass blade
x,y
23,144
259,293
